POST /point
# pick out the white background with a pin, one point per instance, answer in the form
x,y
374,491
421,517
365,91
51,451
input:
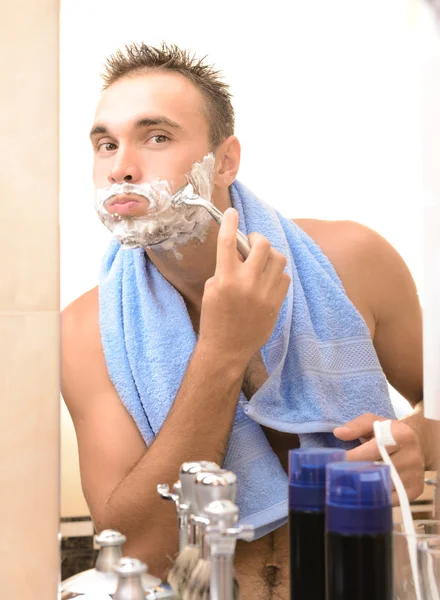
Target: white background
x,y
326,108
429,52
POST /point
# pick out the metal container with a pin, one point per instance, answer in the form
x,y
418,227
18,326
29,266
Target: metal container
x,y
188,473
182,510
130,571
221,536
222,516
209,487
102,579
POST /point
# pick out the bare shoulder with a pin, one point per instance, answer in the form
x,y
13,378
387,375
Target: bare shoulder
x,y
344,241
380,285
82,314
81,350
80,324
370,268
347,245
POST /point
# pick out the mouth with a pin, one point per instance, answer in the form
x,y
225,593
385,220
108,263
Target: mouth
x,y
128,205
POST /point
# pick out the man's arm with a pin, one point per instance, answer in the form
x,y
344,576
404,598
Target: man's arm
x,y
119,475
399,339
381,279
428,431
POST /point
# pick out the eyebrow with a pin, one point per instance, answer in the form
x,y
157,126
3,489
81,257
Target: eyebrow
x,y
144,122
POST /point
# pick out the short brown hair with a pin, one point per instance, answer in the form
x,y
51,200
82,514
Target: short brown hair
x,y
140,58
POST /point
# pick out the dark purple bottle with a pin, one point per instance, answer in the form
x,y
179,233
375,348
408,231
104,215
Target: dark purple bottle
x,y
307,477
359,527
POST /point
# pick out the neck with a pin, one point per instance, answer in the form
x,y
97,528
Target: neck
x,y
189,274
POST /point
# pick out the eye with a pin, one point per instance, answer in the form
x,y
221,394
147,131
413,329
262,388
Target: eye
x,y
106,147
160,138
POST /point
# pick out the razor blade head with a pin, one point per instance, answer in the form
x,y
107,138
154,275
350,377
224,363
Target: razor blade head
x,y
184,193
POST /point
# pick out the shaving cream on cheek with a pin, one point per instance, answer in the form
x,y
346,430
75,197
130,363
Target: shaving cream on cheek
x,y
164,226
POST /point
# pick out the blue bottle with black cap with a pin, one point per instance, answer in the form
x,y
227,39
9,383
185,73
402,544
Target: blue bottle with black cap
x,y
359,527
307,480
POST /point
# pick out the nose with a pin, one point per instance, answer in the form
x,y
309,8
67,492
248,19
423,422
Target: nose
x,y
125,167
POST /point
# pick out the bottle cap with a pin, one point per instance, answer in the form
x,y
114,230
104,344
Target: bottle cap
x,y
188,471
359,498
213,486
307,476
110,537
128,567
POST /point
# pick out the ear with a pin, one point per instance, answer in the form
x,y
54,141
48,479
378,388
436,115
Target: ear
x,y
227,162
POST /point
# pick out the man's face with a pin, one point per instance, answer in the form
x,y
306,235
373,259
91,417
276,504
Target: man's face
x,y
148,127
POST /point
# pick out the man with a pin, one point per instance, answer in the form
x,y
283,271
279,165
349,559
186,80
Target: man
x,y
160,113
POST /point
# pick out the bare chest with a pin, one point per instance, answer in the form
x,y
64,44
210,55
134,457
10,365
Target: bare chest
x,y
262,567
281,442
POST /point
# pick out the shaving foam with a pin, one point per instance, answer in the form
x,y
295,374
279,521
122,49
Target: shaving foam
x,y
164,227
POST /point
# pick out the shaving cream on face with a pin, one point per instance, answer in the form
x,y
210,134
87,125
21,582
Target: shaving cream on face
x,y
165,227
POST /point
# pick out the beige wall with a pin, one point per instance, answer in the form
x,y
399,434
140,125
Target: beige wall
x,y
29,301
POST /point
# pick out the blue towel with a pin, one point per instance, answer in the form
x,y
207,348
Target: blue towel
x,y
323,369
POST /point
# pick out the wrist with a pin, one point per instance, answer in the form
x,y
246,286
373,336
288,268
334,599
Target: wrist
x,y
426,431
216,360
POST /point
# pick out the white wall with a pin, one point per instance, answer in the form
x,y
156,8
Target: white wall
x,y
428,33
325,101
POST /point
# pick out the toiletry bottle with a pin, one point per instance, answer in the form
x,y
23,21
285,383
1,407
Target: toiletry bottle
x,y
110,543
307,476
130,571
359,531
187,474
209,487
102,578
221,536
182,513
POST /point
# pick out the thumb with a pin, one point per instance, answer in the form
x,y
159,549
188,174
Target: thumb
x,y
361,427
